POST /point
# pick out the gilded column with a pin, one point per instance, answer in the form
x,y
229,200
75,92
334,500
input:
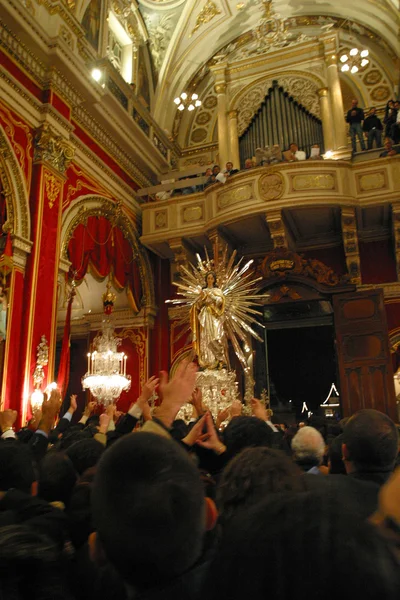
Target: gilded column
x,y
52,156
223,136
326,117
350,244
234,139
335,91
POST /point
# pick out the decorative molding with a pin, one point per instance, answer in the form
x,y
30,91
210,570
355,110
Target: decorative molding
x,y
371,181
53,188
271,186
161,219
350,243
234,196
192,213
324,181
207,13
52,149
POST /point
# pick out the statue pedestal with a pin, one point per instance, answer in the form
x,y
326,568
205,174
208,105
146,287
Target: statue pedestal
x,y
219,388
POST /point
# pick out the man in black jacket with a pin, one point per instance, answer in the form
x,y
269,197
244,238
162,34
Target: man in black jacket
x,y
354,118
373,128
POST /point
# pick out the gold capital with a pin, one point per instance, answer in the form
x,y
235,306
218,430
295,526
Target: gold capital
x,y
233,114
220,88
323,92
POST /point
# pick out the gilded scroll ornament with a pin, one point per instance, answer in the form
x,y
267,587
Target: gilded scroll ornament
x,y
52,187
53,149
160,219
207,13
271,186
192,213
313,182
372,181
240,194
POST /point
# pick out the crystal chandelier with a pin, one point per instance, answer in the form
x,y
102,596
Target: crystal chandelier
x,y
106,374
354,61
183,101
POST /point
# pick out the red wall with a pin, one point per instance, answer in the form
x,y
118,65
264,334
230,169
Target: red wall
x,y
331,257
377,261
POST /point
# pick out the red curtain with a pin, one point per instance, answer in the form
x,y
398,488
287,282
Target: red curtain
x,y
105,249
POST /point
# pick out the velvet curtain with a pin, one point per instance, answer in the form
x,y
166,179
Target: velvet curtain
x,y
105,250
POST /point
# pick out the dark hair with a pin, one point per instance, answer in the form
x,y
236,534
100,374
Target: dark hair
x,y
85,454
213,273
252,476
246,432
148,509
70,437
16,467
372,440
302,546
335,456
57,478
30,566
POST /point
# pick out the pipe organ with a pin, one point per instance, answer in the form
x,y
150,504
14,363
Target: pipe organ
x,y
280,120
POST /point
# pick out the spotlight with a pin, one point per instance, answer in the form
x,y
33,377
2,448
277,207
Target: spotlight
x,y
364,53
344,58
197,103
354,69
181,107
194,96
184,95
177,101
345,68
364,62
190,107
96,74
354,52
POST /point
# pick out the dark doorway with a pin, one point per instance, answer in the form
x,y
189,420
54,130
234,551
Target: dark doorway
x,y
301,365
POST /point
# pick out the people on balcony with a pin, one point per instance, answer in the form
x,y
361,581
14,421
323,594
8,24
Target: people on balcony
x,y
249,163
355,116
389,150
212,177
294,154
390,118
229,170
373,128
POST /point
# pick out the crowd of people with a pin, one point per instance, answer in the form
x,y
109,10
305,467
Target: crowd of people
x,y
144,506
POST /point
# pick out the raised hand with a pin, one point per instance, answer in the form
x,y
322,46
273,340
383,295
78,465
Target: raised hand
x,y
259,409
196,433
104,422
72,404
50,409
7,419
149,388
236,408
222,416
197,401
210,439
90,406
177,391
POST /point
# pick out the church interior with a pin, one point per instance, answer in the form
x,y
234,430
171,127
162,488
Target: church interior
x,y
113,114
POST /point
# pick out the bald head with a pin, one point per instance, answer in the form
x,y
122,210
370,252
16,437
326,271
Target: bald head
x,y
308,446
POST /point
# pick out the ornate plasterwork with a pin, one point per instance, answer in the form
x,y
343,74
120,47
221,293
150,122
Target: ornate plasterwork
x,y
207,13
160,28
52,148
300,87
84,207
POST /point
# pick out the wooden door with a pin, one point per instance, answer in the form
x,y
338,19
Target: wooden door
x,y
365,367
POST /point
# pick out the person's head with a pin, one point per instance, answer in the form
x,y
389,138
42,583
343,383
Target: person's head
x,y
229,166
16,467
211,279
370,442
372,111
246,432
391,103
388,144
85,454
302,545
308,447
248,164
57,478
148,509
396,104
31,566
208,172
216,169
252,476
354,103
335,462
293,147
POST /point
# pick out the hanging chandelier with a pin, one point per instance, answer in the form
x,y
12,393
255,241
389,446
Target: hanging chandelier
x,y
183,101
354,61
106,376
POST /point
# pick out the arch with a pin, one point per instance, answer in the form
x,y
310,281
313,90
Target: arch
x,y
15,190
89,206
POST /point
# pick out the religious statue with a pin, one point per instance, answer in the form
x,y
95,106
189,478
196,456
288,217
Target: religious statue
x,y
218,306
207,324
3,312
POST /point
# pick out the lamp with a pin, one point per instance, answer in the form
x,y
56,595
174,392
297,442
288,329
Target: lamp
x,y
354,60
106,376
183,101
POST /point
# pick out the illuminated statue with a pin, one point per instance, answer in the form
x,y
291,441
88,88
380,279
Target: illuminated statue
x,y
221,310
207,324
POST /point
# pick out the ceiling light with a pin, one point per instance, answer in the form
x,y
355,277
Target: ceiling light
x,y
190,107
96,74
345,68
194,96
184,95
354,69
343,58
364,62
177,101
181,107
197,103
364,53
354,52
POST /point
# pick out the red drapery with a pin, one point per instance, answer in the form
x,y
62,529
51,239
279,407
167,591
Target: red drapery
x,y
105,249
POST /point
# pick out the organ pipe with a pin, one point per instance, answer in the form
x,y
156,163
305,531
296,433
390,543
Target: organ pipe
x,y
280,120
